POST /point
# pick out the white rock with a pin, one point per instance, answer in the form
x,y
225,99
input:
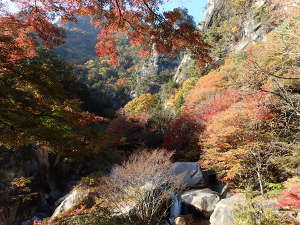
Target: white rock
x,y
204,200
222,214
213,6
70,201
182,72
298,217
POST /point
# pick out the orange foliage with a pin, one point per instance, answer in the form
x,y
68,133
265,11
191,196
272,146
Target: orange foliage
x,y
259,106
91,118
219,103
206,86
16,31
78,211
227,136
120,82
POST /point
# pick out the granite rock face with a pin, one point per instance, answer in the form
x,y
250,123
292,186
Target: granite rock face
x,y
204,200
250,28
213,7
223,213
182,72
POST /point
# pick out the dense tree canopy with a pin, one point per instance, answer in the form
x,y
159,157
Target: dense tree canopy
x,y
38,105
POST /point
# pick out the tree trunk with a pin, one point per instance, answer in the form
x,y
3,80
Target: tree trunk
x,y
261,186
46,168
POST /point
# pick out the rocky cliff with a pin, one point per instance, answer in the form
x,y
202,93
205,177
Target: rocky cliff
x,y
213,8
232,25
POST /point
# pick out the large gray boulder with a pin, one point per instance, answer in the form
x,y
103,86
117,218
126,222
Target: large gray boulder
x,y
69,201
190,173
204,200
298,217
223,213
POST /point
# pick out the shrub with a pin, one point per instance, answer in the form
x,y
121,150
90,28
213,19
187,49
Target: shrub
x,y
181,136
274,189
179,96
125,132
139,189
143,103
205,87
290,197
89,219
252,213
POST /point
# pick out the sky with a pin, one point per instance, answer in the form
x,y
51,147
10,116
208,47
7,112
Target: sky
x,y
196,8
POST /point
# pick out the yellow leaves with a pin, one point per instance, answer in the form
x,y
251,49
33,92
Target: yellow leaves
x,y
235,29
182,92
240,2
227,163
143,103
123,140
21,182
292,182
213,79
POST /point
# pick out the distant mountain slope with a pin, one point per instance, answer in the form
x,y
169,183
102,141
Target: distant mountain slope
x,y
80,43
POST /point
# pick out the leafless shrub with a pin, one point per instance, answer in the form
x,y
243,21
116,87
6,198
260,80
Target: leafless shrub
x,y
140,189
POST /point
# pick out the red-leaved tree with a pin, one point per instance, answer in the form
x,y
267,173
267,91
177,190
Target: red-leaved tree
x,y
290,197
181,137
140,20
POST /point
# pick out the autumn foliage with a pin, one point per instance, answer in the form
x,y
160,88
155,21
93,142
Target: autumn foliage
x,y
17,39
239,104
181,132
139,20
143,103
290,198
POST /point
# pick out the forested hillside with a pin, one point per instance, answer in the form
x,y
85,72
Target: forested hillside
x,y
120,114
80,42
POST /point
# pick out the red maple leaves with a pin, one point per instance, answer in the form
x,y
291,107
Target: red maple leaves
x,y
21,32
290,198
138,19
220,103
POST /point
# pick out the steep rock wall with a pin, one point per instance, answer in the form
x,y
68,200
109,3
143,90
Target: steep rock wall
x,y
232,25
213,8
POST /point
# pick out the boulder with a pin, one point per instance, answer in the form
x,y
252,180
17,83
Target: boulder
x,y
224,210
180,221
204,200
70,201
298,217
187,220
191,173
